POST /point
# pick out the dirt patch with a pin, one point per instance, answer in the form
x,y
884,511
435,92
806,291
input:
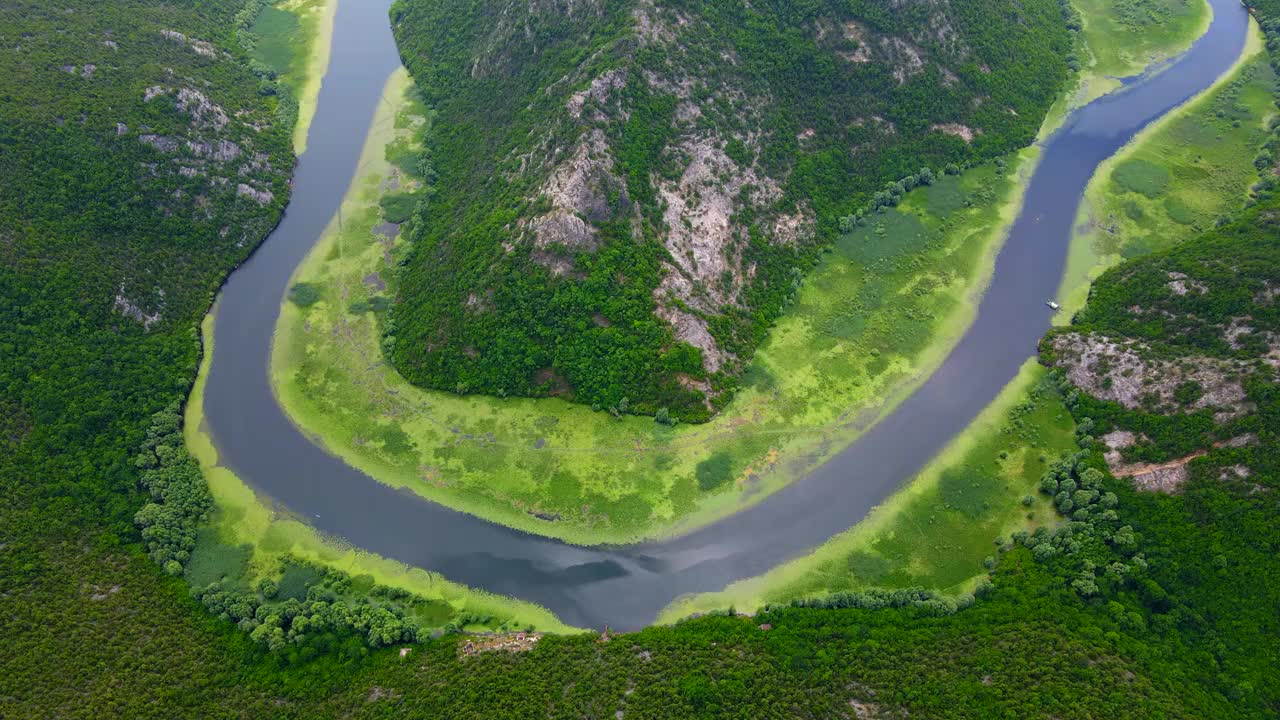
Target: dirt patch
x,y
510,642
964,132
557,385
1165,477
1116,442
1179,284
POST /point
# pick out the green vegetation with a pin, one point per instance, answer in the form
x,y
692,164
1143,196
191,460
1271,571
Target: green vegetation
x,y
243,543
92,627
289,41
1122,38
935,532
234,535
1178,177
1168,609
628,193
881,309
1127,36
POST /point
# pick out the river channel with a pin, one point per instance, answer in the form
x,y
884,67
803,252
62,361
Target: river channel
x,y
626,587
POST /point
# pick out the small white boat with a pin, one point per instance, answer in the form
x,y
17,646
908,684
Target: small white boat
x,y
1052,305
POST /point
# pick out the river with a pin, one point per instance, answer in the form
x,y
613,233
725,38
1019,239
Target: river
x,y
626,587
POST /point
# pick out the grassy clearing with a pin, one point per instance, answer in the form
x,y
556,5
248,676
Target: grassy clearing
x,y
246,541
1121,38
293,40
936,531
1127,36
881,311
1177,177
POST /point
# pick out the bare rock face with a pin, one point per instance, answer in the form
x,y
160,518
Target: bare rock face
x,y
1127,372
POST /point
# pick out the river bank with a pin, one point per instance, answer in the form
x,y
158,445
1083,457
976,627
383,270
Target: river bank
x,y
1181,173
937,529
292,39
875,318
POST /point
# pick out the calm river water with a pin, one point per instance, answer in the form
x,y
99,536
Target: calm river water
x,y
626,587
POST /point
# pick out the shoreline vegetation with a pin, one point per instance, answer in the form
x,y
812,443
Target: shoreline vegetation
x,y
936,530
1122,40
1170,188
1239,103
970,212
293,39
247,541
254,542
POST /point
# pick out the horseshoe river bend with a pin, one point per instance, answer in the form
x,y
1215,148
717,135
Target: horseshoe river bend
x,y
626,586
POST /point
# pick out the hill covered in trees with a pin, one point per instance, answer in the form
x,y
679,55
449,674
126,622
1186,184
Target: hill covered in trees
x,y
625,194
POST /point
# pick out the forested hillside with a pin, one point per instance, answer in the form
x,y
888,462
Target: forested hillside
x,y
142,159
626,193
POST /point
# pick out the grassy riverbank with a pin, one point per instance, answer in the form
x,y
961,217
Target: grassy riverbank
x,y
1177,177
247,540
922,536
882,310
936,531
1122,38
293,40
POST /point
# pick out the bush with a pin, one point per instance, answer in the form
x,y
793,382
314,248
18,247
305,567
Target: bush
x,y
714,471
304,294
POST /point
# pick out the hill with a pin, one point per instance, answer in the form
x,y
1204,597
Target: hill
x,y
625,194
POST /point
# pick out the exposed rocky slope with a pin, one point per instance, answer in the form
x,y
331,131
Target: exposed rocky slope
x,y
630,190
1176,358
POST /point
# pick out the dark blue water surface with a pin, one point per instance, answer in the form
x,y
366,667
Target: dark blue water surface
x,y
626,587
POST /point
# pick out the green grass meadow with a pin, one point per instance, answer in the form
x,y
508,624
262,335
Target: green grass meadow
x,y
292,38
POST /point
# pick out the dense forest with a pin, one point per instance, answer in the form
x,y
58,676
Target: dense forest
x,y
1142,604
627,193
